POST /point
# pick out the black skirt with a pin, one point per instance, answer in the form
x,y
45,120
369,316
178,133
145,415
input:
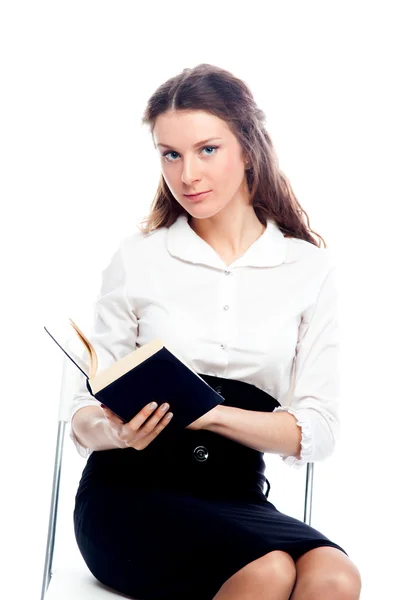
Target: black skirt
x,y
174,521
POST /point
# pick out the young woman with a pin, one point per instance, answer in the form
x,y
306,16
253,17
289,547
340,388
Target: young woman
x,y
226,272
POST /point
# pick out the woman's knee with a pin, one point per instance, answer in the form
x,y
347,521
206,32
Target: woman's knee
x,y
276,566
274,573
327,573
351,584
342,584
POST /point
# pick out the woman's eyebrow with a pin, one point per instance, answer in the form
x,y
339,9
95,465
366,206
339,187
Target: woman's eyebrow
x,y
195,145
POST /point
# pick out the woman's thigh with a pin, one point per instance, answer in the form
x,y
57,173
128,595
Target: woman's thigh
x,y
160,544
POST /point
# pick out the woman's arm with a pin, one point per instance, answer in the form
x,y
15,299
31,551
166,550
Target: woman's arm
x,y
316,393
276,433
304,430
92,429
113,334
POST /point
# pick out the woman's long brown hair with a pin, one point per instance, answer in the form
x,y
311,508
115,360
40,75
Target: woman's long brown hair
x,y
217,91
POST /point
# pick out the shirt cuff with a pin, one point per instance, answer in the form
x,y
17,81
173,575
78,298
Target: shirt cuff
x,y
82,450
306,439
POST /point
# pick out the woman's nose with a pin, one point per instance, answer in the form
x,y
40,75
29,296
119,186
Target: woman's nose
x,y
190,172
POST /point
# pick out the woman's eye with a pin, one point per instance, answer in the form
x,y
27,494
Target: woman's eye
x,y
170,152
210,148
165,155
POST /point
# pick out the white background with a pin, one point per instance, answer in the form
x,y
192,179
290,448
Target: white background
x,y
78,172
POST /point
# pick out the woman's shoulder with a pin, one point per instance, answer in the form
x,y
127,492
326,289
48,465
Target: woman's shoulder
x,y
305,252
140,238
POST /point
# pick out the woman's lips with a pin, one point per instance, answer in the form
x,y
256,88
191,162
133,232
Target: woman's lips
x,y
197,196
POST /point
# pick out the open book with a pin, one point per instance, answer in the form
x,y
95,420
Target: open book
x,y
151,372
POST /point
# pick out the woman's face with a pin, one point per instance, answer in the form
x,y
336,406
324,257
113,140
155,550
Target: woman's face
x,y
189,167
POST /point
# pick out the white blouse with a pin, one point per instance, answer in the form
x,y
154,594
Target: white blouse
x,y
269,319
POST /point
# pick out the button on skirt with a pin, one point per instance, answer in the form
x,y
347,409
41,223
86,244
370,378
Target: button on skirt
x,y
177,519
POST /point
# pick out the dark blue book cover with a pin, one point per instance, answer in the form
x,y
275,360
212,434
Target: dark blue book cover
x,y
161,377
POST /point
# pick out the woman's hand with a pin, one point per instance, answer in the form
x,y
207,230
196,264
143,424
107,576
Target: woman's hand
x,y
142,429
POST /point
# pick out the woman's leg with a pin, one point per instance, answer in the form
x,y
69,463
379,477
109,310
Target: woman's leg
x,y
270,577
326,573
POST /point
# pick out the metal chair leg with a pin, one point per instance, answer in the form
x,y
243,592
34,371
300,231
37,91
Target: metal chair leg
x,y
53,509
308,493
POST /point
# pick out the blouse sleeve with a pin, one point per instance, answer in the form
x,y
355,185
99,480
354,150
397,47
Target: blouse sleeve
x,y
315,399
113,333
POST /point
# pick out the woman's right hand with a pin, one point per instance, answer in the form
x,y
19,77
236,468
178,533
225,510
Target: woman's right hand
x,y
140,431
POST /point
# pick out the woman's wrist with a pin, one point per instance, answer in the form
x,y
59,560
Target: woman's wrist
x,y
93,430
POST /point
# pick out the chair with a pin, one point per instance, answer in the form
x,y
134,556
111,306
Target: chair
x,y
78,582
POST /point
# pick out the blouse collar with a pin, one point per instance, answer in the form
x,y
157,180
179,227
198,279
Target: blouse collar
x,y
269,250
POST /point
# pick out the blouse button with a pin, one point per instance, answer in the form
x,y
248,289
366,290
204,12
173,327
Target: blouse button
x,y
200,453
226,307
223,346
227,272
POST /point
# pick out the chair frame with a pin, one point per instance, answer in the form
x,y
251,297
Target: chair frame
x,y
62,421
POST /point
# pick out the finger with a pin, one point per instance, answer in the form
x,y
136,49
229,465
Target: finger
x,y
150,410
142,439
159,427
153,421
143,416
140,417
